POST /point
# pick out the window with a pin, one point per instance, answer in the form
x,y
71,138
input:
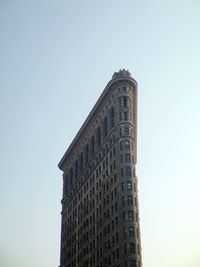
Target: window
x,y
124,216
129,185
132,248
113,256
128,171
125,115
76,168
81,162
125,232
105,127
121,145
133,263
123,186
71,176
114,164
131,231
115,206
125,101
87,153
126,131
117,237
123,201
117,253
92,146
130,215
98,136
128,157
115,191
129,200
127,144
125,249
112,121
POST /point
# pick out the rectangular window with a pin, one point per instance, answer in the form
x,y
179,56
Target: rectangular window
x,y
123,188
123,201
112,117
128,171
125,115
129,200
115,192
71,176
120,145
113,256
130,215
126,131
129,185
125,249
98,136
87,153
125,101
115,206
127,144
92,146
81,162
133,263
125,232
124,216
128,157
131,231
117,253
132,248
105,127
76,168
116,237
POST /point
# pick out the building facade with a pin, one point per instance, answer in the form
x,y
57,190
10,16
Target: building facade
x,y
100,216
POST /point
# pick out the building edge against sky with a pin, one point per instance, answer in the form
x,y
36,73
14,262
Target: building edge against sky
x,y
100,214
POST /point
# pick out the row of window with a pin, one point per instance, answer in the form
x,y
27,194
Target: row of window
x,y
124,144
107,260
79,163
68,179
87,206
90,148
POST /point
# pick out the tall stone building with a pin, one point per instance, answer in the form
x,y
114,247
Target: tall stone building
x,y
100,216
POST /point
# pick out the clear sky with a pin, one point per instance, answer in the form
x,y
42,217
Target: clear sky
x,y
56,57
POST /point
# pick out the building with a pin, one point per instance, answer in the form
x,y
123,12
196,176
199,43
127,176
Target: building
x,y
100,216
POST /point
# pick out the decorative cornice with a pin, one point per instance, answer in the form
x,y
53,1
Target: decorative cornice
x,y
121,74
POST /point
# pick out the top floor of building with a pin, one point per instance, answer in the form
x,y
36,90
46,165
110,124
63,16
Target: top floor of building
x,y
117,104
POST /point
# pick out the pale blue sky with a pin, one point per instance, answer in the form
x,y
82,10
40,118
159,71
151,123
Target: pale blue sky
x,y
53,52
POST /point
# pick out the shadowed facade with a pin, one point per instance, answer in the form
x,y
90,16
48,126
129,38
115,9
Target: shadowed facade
x,y
100,214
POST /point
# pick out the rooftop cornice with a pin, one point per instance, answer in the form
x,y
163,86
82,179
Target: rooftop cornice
x,y
117,76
